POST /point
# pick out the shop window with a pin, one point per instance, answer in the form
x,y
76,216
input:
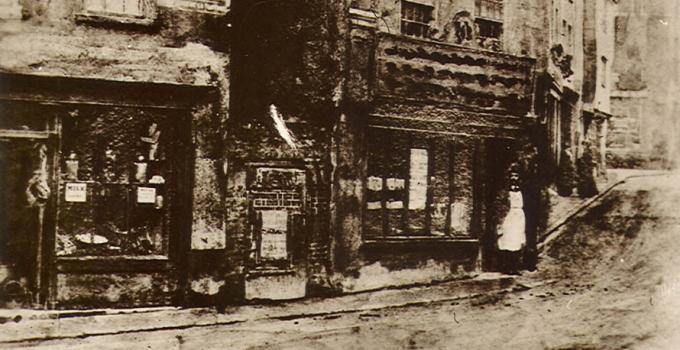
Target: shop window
x,y
126,11
118,183
412,189
489,23
415,19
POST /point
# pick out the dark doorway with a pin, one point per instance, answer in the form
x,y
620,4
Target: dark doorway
x,y
499,156
24,196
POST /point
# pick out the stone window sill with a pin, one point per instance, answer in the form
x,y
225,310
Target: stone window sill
x,y
407,239
260,272
113,18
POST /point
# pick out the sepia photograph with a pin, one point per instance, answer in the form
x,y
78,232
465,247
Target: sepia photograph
x,y
340,174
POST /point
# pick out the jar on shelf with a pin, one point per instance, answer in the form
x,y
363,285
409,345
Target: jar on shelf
x,y
140,170
72,167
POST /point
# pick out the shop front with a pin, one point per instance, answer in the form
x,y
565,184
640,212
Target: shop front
x,y
447,118
98,192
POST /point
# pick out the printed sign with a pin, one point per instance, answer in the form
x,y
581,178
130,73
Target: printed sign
x,y
76,192
273,246
373,205
394,184
394,205
278,178
459,218
274,220
374,183
146,195
417,192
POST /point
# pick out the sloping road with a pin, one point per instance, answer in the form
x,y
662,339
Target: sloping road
x,y
613,282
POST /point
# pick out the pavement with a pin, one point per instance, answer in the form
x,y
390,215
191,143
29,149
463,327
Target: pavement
x,y
20,326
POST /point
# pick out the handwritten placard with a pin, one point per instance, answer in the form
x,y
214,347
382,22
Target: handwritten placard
x,y
76,192
394,204
146,195
418,172
373,205
375,183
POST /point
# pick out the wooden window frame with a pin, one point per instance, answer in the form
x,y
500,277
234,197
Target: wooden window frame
x,y
423,23
146,15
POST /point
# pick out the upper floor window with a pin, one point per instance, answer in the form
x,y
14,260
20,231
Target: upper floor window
x,y
489,23
415,19
570,37
556,21
132,11
603,79
489,9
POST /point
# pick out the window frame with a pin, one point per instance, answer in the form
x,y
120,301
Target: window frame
x,y
498,5
146,16
489,29
422,23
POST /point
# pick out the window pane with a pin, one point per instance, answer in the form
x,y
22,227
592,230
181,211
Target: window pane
x,y
415,19
95,5
133,7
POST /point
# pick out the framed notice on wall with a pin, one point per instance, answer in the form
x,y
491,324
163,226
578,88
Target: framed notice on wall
x,y
273,241
75,192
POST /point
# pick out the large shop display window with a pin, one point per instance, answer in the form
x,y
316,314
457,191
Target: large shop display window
x,y
116,183
417,186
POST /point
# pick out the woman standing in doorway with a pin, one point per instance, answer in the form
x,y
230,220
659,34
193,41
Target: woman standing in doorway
x,y
511,233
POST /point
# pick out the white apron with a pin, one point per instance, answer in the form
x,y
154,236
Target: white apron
x,y
511,232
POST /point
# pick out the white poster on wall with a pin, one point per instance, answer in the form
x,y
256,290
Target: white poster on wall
x,y
418,172
274,220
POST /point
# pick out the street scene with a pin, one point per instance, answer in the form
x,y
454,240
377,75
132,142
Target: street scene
x,y
339,174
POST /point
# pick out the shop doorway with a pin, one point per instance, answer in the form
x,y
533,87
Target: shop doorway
x,y
24,198
499,156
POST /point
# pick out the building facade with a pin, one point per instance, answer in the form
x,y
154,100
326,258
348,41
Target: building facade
x,y
599,43
112,114
200,152
644,119
552,32
394,124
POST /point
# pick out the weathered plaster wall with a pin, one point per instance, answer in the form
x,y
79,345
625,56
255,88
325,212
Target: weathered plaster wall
x,y
524,34
646,61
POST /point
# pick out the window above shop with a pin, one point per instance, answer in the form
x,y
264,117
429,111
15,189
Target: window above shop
x,y
489,23
489,9
415,19
142,12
